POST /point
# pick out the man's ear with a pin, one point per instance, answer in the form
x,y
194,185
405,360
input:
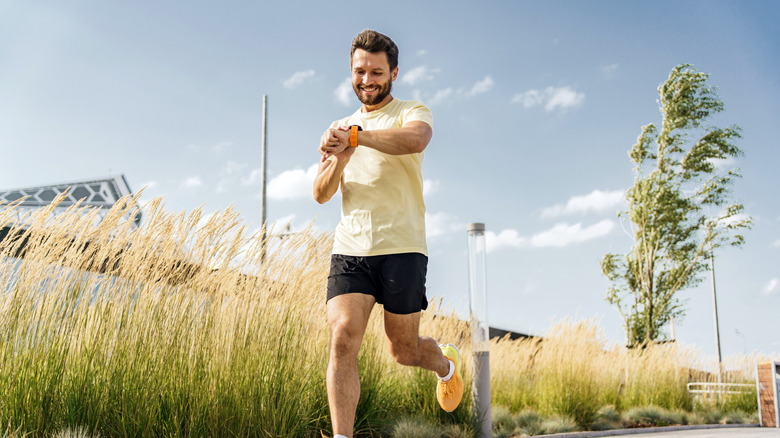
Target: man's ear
x,y
395,74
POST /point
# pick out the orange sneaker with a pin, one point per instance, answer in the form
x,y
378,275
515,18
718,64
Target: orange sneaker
x,y
450,392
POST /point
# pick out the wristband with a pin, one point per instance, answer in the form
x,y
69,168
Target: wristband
x,y
353,130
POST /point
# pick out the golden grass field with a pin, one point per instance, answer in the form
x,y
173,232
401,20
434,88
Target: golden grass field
x,y
189,326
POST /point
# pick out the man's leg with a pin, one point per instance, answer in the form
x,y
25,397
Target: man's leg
x,y
347,318
408,348
411,349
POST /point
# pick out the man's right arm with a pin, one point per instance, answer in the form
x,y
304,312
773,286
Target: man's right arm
x,y
328,178
326,184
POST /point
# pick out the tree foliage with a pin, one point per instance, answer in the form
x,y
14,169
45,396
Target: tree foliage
x,y
679,208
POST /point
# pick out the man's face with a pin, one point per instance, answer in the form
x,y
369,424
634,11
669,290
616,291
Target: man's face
x,y
372,79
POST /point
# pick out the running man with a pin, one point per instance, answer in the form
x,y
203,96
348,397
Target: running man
x,y
379,253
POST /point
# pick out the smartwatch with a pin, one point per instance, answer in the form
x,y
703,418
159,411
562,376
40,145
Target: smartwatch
x,y
353,130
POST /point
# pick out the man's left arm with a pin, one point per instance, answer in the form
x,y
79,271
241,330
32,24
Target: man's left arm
x,y
411,138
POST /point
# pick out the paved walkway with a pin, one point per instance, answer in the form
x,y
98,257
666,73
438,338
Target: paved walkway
x,y
704,431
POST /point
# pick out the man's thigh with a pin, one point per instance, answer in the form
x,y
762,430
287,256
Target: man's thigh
x,y
349,313
402,330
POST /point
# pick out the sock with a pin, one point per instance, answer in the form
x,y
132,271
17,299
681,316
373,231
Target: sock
x,y
339,436
449,375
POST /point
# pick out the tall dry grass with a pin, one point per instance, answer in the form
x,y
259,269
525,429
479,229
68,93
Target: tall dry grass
x,y
194,326
186,326
574,371
178,328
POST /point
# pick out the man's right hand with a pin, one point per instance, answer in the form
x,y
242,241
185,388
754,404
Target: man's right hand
x,y
335,141
336,152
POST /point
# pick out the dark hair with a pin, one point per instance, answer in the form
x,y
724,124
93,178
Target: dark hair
x,y
374,42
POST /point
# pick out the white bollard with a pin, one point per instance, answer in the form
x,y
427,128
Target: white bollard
x,y
480,334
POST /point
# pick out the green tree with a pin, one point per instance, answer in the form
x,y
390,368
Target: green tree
x,y
679,208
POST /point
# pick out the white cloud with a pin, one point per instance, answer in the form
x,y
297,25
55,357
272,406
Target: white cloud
x,y
344,93
733,220
558,236
776,243
610,69
724,163
229,175
552,98
298,78
529,98
222,146
254,177
564,97
482,86
770,287
506,238
418,74
430,187
422,52
292,184
563,234
439,224
232,167
440,97
594,201
192,182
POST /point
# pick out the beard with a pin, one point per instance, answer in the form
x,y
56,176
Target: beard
x,y
383,91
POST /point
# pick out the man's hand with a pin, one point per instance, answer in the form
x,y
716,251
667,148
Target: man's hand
x,y
334,141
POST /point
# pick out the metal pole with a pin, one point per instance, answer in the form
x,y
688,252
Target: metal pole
x,y
263,165
480,334
715,312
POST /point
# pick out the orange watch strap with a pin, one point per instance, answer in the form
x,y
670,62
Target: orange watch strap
x,y
353,130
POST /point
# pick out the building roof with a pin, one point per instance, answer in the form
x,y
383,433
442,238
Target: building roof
x,y
99,192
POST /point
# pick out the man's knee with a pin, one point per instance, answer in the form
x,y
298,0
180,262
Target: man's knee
x,y
344,340
405,354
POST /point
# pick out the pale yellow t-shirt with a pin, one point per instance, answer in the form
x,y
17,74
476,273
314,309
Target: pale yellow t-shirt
x,y
382,207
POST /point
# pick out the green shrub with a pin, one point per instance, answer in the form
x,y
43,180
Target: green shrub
x,y
607,418
502,421
529,422
457,431
736,417
559,424
648,416
416,427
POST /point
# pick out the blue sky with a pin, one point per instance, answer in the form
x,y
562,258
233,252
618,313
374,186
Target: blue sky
x,y
535,106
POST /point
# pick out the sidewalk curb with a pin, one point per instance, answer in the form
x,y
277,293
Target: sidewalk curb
x,y
638,430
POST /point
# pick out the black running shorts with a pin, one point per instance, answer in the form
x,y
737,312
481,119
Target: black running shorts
x,y
397,281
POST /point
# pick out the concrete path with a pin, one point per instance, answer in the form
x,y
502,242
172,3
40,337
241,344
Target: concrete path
x,y
703,431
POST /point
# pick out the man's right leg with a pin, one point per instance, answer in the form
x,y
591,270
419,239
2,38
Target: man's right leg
x,y
347,318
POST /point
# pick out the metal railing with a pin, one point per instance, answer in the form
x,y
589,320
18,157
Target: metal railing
x,y
708,388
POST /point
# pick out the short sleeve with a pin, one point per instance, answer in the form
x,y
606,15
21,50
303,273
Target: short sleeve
x,y
417,112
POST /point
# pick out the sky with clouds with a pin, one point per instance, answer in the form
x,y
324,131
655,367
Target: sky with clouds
x,y
535,106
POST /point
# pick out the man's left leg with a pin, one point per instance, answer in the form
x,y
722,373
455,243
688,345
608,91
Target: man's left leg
x,y
411,349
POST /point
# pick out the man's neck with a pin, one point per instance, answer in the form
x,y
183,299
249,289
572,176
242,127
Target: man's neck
x,y
369,108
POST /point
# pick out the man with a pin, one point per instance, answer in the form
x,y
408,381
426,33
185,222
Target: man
x,y
379,253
